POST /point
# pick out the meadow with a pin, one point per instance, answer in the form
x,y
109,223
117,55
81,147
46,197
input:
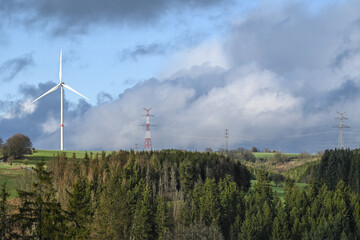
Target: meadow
x,y
17,174
262,155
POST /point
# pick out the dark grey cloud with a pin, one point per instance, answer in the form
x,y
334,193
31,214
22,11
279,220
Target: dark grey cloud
x,y
64,17
288,37
345,93
12,67
142,50
185,39
344,56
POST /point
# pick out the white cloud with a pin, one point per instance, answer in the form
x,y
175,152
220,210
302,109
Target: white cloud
x,y
27,107
210,52
50,126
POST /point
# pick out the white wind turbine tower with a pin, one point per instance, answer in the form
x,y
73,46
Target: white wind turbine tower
x,y
61,84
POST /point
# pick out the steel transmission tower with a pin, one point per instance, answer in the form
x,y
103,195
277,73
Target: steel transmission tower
x,y
148,143
226,140
341,127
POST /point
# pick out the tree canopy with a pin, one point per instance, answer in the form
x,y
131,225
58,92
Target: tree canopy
x,y
17,146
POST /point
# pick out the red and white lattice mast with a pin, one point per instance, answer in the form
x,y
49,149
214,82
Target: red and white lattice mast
x,y
147,143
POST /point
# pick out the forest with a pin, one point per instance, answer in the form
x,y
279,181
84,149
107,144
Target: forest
x,y
173,194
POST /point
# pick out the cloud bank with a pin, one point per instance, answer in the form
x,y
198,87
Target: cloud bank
x,y
276,81
76,17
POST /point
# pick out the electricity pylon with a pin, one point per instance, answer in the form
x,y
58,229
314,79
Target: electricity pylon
x,y
226,140
341,127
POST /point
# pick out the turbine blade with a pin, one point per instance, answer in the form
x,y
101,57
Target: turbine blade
x,y
51,90
71,89
60,70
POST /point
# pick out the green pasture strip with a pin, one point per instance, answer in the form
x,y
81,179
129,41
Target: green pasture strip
x,y
14,178
261,155
47,155
280,189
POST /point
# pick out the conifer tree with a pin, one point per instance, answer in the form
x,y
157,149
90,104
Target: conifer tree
x,y
209,203
142,225
112,217
80,210
162,218
249,227
5,224
280,228
230,203
40,215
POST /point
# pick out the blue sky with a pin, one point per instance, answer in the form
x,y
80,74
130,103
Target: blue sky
x,y
272,72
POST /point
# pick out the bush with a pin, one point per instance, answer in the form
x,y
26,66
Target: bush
x,y
279,157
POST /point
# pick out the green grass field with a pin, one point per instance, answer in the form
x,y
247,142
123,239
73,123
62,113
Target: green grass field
x,y
14,176
261,155
279,190
47,155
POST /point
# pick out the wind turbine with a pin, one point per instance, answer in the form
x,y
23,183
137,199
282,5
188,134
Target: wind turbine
x,y
62,85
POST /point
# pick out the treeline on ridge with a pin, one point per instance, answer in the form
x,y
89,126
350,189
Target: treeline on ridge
x,y
340,164
172,195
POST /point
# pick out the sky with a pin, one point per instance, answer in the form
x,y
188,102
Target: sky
x,y
272,72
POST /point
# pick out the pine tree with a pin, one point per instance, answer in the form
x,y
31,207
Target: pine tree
x,y
230,203
142,226
249,227
162,218
80,210
280,228
209,203
40,215
112,218
5,225
356,216
186,176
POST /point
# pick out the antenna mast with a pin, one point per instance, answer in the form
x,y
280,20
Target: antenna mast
x,y
341,127
148,143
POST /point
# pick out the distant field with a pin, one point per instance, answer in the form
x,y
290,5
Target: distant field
x,y
47,155
280,189
14,176
261,155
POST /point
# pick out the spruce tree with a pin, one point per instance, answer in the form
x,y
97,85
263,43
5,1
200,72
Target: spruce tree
x,y
230,203
209,203
40,215
142,225
162,218
5,224
80,210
